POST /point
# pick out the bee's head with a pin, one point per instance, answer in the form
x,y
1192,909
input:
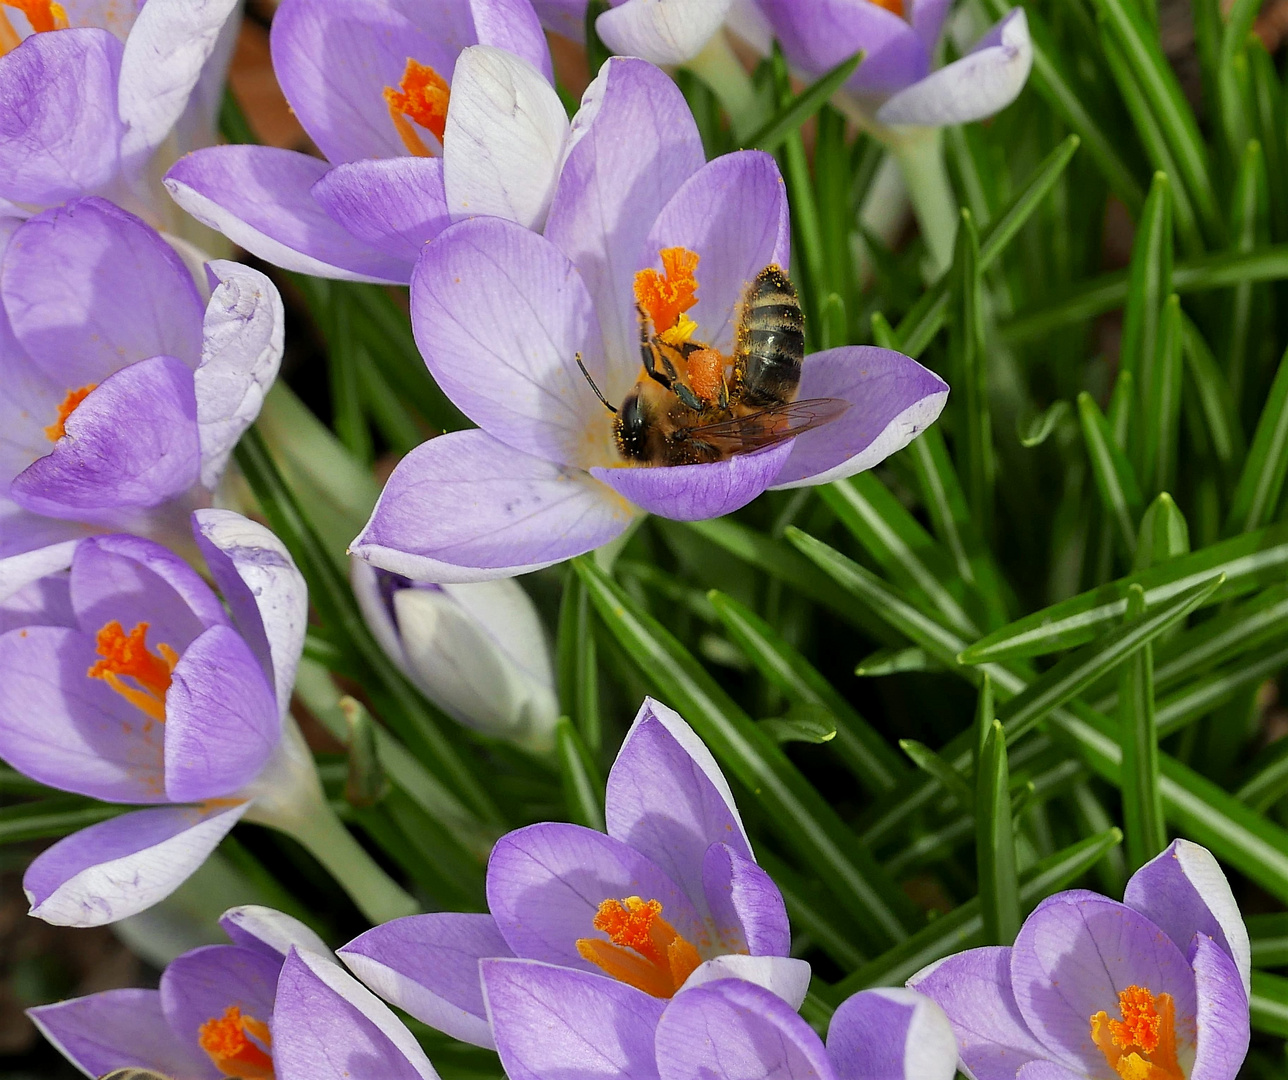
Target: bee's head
x,y
630,427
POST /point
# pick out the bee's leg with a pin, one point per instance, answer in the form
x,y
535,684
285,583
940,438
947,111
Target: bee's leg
x,y
688,398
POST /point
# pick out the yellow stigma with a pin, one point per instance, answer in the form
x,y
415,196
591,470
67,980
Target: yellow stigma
x,y
644,950
1142,1045
422,96
666,296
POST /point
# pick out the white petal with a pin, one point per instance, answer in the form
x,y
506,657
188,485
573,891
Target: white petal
x,y
781,975
19,571
272,928
662,31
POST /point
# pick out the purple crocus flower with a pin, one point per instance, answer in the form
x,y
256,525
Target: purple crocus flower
x,y
212,1016
501,315
122,391
371,80
670,897
123,677
1154,988
553,1023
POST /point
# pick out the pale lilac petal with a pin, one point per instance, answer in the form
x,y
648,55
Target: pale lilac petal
x,y
261,198
22,531
397,205
504,139
122,866
47,602
552,1023
500,315
927,18
697,492
132,442
241,349
108,14
733,213
428,966
264,589
464,507
566,17
513,25
633,143
746,907
29,401
974,990
269,931
735,1030
784,976
545,884
978,85
117,1029
59,132
1223,1018
891,1034
90,289
892,400
1184,892
661,31
1047,1070
328,1026
19,570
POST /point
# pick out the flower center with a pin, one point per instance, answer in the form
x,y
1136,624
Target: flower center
x,y
643,950
128,655
1142,1045
225,1039
58,428
665,297
421,96
41,14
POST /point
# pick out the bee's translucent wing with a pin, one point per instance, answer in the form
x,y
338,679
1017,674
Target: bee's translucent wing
x,y
769,427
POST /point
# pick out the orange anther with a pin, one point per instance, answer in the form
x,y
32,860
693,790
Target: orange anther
x,y
58,428
895,6
668,295
224,1039
128,655
43,15
643,950
1142,1045
421,96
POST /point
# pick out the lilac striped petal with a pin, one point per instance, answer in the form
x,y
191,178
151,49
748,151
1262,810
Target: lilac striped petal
x,y
784,976
1223,1017
1047,1070
269,931
891,1034
428,965
513,25
661,31
47,602
746,906
397,205
21,569
29,401
565,17
927,18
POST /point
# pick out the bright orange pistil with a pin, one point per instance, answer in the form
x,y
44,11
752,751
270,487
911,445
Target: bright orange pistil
x,y
128,655
41,14
1142,1045
58,428
668,295
421,96
643,950
225,1039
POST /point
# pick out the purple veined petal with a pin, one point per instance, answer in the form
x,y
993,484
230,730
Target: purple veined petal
x,y
893,399
61,134
69,731
1072,959
974,990
735,1030
1047,1070
261,198
733,214
465,507
1223,1017
22,531
242,337
784,976
661,31
504,139
90,289
553,1023
545,884
746,907
269,931
1184,892
122,866
633,143
978,85
132,580
697,492
500,315
928,18
564,17
132,442
328,1026
372,588
397,205
264,589
117,1029
428,965
29,401
21,569
891,1034
47,602
203,984
513,25
165,53
667,798
222,720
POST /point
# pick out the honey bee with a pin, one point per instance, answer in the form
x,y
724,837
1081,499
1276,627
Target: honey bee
x,y
137,1074
693,405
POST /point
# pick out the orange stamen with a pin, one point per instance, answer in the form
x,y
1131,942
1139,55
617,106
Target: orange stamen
x,y
421,96
224,1039
1142,1045
128,655
43,15
58,428
895,6
643,950
668,295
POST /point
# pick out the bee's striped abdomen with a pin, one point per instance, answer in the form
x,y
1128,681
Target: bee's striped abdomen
x,y
770,341
134,1074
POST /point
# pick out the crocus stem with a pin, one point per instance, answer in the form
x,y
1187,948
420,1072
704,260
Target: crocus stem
x,y
920,153
719,67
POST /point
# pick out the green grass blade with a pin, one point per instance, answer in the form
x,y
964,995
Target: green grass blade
x,y
995,842
576,664
968,363
1114,477
1143,824
1149,280
794,112
1164,534
583,788
1161,411
1220,416
1268,935
933,765
1269,1004
1262,480
47,819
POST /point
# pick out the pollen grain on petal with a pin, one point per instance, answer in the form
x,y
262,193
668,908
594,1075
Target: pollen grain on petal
x,y
238,1045
69,404
422,96
666,296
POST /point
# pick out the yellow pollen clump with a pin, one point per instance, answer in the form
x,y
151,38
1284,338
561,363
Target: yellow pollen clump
x,y
644,950
665,297
58,428
421,96
1142,1045
224,1038
128,655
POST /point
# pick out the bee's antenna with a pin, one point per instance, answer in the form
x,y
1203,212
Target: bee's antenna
x,y
601,397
